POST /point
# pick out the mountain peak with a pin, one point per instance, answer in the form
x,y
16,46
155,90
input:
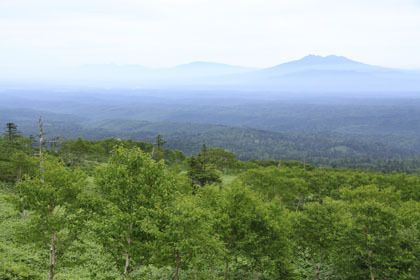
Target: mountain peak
x,y
329,59
317,62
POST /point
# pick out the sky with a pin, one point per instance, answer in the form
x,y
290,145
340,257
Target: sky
x,y
37,34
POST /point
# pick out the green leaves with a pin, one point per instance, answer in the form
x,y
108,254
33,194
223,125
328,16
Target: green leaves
x,y
53,198
201,171
272,182
371,245
56,187
275,221
188,241
317,230
15,159
250,229
137,191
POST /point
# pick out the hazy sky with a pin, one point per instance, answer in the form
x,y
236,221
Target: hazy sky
x,y
43,33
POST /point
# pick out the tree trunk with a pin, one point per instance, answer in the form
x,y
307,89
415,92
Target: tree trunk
x,y
127,264
195,273
177,267
127,260
226,270
127,254
371,274
19,176
370,266
52,257
41,143
317,269
300,202
213,272
369,255
317,273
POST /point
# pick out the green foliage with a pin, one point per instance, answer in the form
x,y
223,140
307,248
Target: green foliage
x,y
57,207
74,152
275,220
201,171
372,245
158,152
18,260
136,191
223,160
275,182
250,230
317,230
11,131
15,158
22,259
188,241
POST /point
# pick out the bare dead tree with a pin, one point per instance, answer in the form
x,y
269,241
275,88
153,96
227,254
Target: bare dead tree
x,y
41,145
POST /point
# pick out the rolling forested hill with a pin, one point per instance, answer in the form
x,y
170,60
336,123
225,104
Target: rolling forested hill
x,y
335,131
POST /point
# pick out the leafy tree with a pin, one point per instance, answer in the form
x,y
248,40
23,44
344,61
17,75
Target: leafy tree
x,y
15,159
316,232
23,164
409,214
137,191
174,157
74,151
371,246
250,230
222,159
188,240
273,182
56,203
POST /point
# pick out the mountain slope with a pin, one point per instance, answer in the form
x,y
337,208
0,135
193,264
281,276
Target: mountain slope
x,y
315,62
328,74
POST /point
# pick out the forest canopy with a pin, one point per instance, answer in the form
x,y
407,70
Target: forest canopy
x,y
112,209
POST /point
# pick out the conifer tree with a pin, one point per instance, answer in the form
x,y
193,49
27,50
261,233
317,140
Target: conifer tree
x,y
11,131
201,171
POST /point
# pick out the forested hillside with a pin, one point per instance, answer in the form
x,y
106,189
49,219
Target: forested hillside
x,y
378,133
112,209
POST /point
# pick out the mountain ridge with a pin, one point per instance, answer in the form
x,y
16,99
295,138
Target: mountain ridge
x,y
309,73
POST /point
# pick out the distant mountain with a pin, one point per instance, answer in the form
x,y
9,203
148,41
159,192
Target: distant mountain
x,y
311,73
138,73
203,69
328,74
316,62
